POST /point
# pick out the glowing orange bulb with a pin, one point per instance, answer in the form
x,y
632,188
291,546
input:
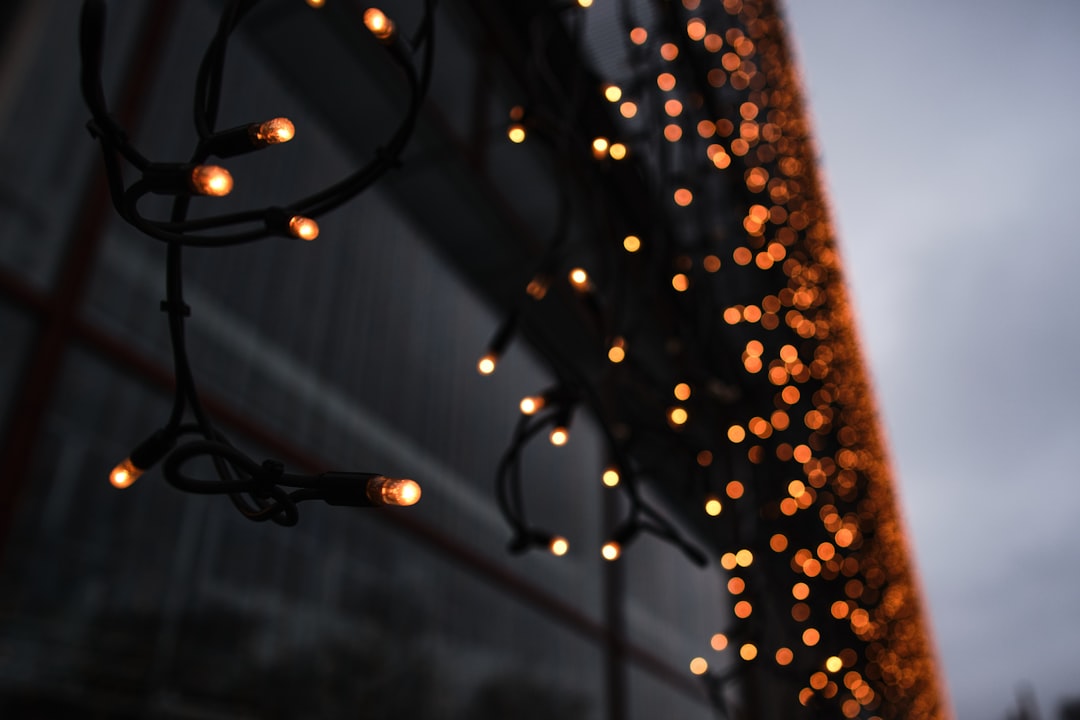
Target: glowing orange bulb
x,y
600,146
699,666
558,546
611,477
748,652
124,474
579,278
611,550
639,35
316,3
682,391
680,282
678,416
683,197
529,405
585,3
617,151
713,506
516,133
559,436
631,243
744,558
613,93
380,26
401,492
303,228
211,180
628,109
486,366
834,664
274,132
719,642
784,656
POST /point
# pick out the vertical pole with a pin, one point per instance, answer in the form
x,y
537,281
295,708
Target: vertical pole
x,y
614,592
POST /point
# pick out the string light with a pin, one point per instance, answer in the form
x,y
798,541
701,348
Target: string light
x,y
259,491
611,477
611,550
400,492
382,27
558,546
303,228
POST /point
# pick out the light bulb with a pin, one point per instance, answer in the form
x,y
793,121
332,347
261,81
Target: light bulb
x,y
699,666
612,93
316,3
538,287
579,279
611,477
611,550
559,436
211,180
584,3
273,132
516,133
303,228
402,492
486,366
380,26
713,506
600,147
677,416
834,664
617,151
558,546
529,405
124,474
631,243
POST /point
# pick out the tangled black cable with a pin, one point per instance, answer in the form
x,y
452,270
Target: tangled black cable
x,y
554,408
255,489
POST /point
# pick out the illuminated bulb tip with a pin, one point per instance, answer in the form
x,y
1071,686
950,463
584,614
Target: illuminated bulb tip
x,y
617,151
584,3
274,132
124,474
380,26
559,436
611,477
529,405
713,507
211,180
516,133
612,93
600,146
486,366
401,492
834,664
316,3
678,416
631,243
699,666
579,278
611,550
303,228
558,546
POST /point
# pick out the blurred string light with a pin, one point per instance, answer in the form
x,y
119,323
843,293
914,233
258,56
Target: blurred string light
x,y
712,109
259,491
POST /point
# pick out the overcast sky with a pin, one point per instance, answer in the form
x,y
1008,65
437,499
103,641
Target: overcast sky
x,y
949,134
